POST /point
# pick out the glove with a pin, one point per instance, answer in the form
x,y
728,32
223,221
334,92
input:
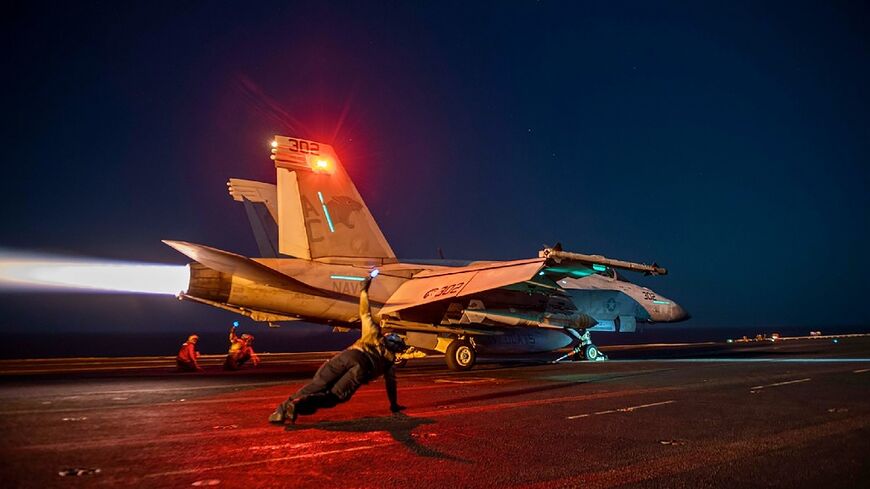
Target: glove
x,y
368,281
395,408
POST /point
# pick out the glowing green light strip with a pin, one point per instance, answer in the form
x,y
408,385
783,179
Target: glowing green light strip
x,y
661,302
326,212
580,273
347,277
598,268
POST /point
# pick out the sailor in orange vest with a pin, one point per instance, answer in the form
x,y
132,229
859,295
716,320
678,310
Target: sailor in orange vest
x,y
187,355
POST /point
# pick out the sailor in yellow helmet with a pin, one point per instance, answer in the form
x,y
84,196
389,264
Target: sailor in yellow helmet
x,y
241,350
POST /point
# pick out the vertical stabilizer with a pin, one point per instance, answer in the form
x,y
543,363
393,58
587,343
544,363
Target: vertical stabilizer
x,y
260,201
321,216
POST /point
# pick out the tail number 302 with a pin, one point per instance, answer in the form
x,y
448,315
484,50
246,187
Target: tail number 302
x,y
446,290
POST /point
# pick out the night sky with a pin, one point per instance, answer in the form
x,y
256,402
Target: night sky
x,y
728,142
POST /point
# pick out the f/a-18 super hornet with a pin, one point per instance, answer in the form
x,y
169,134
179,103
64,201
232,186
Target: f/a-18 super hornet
x,y
327,243
615,303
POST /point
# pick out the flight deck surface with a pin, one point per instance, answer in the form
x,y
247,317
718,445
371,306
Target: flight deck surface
x,y
785,414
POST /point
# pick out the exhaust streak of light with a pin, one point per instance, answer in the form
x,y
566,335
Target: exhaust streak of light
x,y
35,273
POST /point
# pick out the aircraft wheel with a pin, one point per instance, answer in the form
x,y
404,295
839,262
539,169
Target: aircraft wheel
x,y
460,355
591,352
400,362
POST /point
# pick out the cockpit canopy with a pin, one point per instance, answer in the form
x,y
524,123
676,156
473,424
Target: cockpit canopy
x,y
611,273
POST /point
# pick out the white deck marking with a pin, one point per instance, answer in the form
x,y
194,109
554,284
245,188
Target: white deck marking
x,y
757,387
206,387
273,398
173,389
266,461
861,371
473,380
621,410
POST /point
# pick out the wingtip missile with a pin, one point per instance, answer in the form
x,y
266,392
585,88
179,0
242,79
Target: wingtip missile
x,y
558,256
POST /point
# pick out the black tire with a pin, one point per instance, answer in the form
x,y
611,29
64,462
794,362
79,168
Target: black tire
x,y
400,362
460,356
591,352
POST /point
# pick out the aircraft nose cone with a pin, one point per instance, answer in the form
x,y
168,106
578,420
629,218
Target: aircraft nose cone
x,y
680,314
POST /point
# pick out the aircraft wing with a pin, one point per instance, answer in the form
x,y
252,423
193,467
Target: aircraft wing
x,y
445,283
240,266
439,328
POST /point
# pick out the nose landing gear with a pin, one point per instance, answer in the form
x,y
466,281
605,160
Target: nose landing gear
x,y
584,350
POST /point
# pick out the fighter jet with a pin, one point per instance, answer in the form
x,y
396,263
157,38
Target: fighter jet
x,y
616,303
328,243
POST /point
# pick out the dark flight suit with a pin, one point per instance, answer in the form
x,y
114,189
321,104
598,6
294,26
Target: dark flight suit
x,y
343,374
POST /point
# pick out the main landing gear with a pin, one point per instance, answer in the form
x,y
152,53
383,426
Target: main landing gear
x,y
584,350
460,355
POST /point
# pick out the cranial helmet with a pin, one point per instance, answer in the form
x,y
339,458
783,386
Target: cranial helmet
x,y
192,338
248,337
394,343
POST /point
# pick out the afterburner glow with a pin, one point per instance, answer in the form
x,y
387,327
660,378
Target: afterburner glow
x,y
45,273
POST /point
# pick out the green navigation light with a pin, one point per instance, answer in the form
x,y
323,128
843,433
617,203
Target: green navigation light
x,y
326,212
347,277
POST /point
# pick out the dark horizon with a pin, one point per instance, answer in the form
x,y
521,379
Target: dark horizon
x,y
728,143
30,345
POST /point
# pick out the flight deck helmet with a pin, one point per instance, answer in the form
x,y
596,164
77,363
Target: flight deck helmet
x,y
394,343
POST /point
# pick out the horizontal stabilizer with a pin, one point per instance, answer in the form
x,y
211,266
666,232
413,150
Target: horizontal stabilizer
x,y
240,266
